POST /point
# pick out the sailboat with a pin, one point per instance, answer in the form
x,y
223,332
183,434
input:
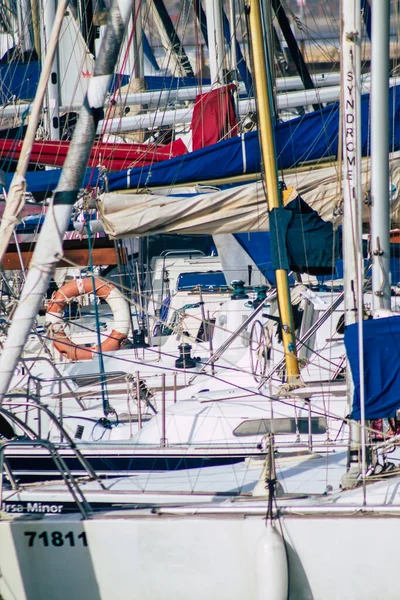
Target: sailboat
x,y
106,428
297,548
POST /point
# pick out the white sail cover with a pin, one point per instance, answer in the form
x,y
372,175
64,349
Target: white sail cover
x,y
239,209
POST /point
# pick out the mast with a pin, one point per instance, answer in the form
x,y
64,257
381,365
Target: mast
x,y
177,57
380,210
53,86
24,19
216,46
49,245
352,207
88,29
271,179
230,38
35,11
138,39
16,194
293,47
232,41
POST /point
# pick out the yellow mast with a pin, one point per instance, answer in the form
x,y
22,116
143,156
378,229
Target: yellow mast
x,y
271,180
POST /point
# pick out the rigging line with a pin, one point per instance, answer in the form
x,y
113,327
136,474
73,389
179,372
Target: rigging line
x,y
316,353
13,295
303,27
163,353
223,329
153,128
70,62
117,91
230,384
123,287
144,295
154,350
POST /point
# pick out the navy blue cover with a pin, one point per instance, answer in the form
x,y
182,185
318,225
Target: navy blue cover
x,y
18,79
42,182
381,366
310,137
301,241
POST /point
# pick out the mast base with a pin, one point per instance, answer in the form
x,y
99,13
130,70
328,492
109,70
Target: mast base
x,y
351,478
294,382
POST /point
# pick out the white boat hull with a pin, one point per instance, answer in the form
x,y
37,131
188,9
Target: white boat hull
x,y
152,556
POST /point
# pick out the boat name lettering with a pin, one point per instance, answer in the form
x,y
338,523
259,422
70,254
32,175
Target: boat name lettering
x,y
32,507
55,539
349,120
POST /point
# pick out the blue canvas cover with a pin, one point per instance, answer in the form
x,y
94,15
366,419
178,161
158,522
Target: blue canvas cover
x,y
18,80
301,241
40,183
381,366
310,137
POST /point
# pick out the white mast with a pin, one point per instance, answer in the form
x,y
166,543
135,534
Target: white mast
x,y
16,195
232,23
24,20
132,48
175,64
138,11
380,237
352,202
53,86
216,46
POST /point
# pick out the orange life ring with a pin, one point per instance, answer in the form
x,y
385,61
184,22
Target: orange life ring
x,y
105,290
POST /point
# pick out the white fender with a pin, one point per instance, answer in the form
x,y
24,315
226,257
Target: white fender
x,y
121,311
272,566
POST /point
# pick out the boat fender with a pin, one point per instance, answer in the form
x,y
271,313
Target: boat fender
x,y
104,290
272,566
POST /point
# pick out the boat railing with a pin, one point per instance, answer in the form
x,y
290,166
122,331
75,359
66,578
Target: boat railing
x,y
136,391
35,359
30,439
225,345
30,435
304,339
35,385
187,252
66,475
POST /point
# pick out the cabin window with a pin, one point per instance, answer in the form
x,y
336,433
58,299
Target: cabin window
x,y
95,379
282,426
209,281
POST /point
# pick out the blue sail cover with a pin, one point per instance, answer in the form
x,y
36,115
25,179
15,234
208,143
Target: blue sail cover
x,y
301,241
381,366
43,182
19,80
310,137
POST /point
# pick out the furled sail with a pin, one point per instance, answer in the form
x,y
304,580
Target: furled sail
x,y
238,209
313,136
